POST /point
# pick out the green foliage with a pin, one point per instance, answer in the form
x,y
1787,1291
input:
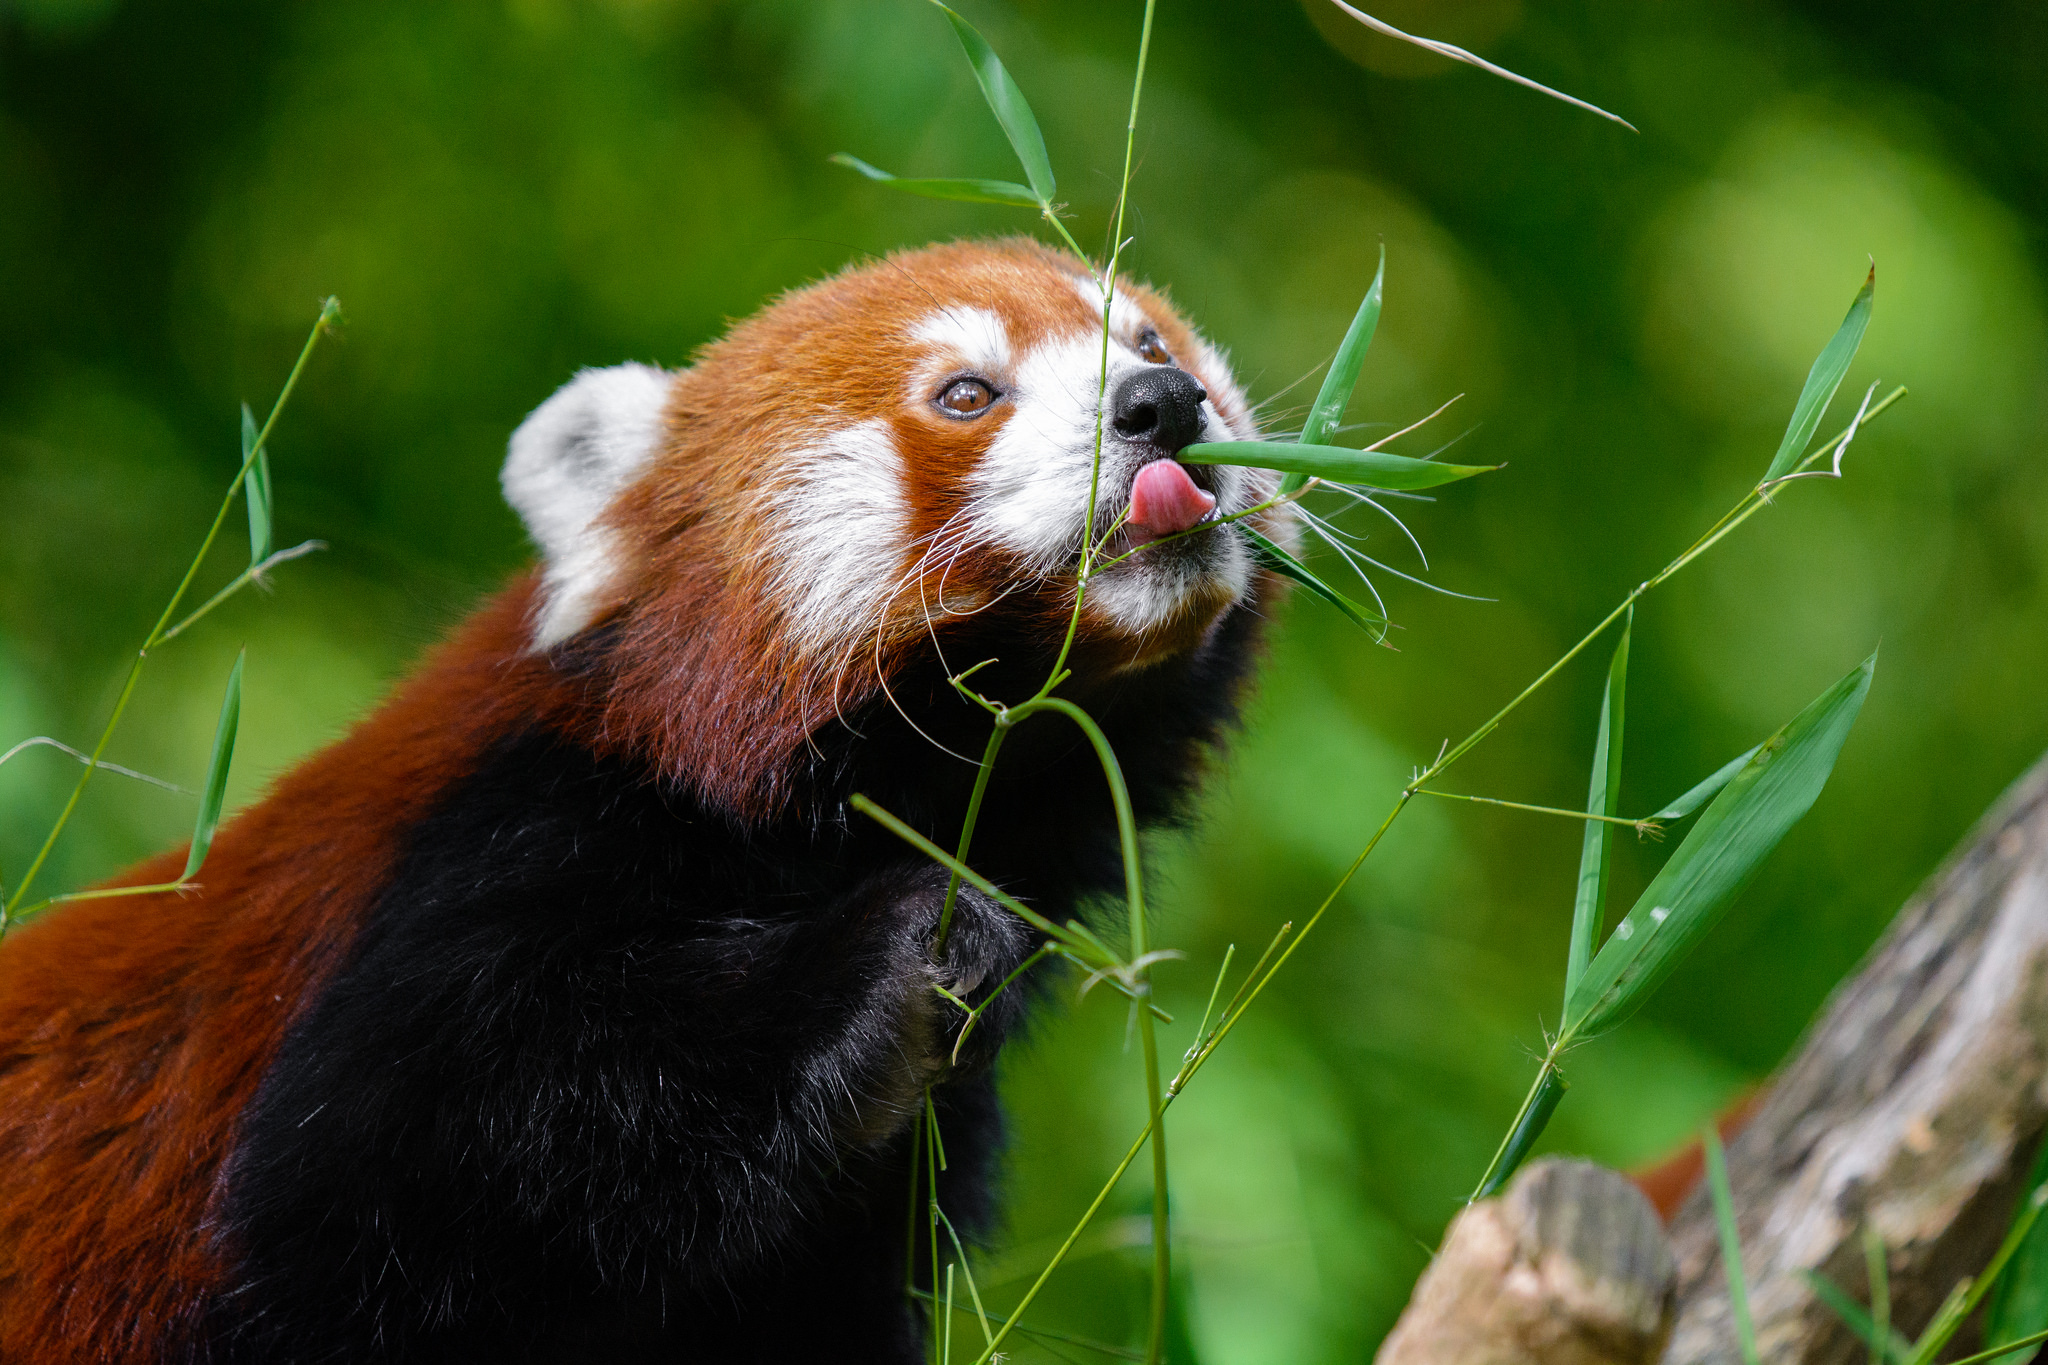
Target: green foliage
x,y
2019,1304
216,789
1822,380
1327,413
965,191
1019,125
213,794
1731,1245
1756,801
1375,468
1698,796
1603,798
1886,1344
1719,857
1749,816
257,490
1529,1125
2011,1321
505,194
1008,104
1287,566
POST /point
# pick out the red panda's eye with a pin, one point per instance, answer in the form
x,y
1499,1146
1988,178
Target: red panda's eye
x,y
1153,351
967,398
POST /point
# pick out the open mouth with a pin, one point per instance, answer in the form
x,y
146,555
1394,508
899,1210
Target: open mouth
x,y
1166,502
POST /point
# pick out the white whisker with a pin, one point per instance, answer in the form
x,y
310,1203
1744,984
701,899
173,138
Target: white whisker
x,y
1351,558
883,682
1359,496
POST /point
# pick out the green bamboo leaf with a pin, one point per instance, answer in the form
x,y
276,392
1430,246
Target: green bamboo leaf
x,y
1459,54
2019,1303
1853,1317
1999,1353
1731,1245
1010,107
1549,1090
1180,1344
1877,1274
1724,850
1602,798
1339,464
216,788
968,191
1287,566
1822,380
1335,397
256,488
1969,1293
1103,956
1697,797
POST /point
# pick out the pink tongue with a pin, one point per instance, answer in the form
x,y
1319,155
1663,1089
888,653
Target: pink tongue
x,y
1164,500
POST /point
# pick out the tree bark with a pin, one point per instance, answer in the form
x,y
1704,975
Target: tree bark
x,y
1912,1106
1568,1267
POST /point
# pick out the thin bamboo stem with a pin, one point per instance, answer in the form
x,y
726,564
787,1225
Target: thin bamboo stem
x,y
1262,975
988,766
1640,826
1500,1153
329,312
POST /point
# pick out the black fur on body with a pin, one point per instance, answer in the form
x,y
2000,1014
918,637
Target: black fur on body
x,y
608,1077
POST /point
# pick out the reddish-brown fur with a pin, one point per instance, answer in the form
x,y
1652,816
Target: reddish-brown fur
x,y
134,1030
697,604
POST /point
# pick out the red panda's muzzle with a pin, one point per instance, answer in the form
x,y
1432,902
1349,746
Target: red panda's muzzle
x,y
1165,501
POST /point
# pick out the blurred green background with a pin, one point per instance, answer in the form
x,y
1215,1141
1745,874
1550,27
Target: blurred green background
x,y
501,191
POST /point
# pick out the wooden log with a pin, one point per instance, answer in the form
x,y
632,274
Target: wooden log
x,y
1569,1266
1913,1105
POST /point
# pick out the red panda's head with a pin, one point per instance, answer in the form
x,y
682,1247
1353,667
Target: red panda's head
x,y
743,551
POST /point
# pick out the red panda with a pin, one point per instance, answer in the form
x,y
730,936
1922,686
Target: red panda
x,y
563,1010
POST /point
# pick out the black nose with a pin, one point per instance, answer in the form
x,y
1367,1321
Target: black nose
x,y
1159,405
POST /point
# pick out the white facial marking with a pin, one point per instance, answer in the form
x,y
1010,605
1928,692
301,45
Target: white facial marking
x,y
567,461
974,337
1031,489
841,525
1025,488
1137,602
1126,319
1228,409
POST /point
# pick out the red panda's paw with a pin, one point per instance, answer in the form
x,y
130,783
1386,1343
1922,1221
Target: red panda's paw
x,y
984,945
930,1014
953,970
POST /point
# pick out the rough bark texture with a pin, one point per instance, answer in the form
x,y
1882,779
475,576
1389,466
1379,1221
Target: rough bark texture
x,y
1569,1267
1913,1104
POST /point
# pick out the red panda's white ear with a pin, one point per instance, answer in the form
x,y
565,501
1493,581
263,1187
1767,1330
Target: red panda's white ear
x,y
568,461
